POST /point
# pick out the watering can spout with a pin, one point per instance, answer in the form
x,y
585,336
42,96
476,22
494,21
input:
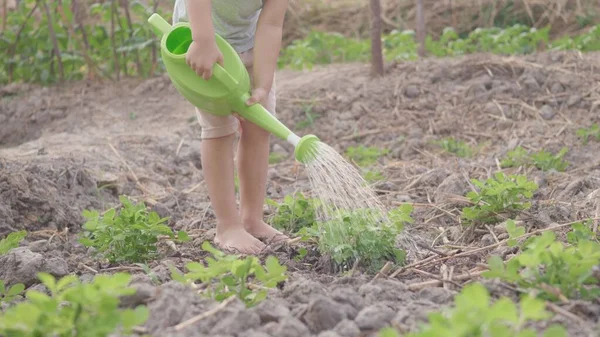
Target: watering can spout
x,y
160,25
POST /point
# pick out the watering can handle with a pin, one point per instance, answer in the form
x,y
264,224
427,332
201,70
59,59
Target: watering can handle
x,y
223,76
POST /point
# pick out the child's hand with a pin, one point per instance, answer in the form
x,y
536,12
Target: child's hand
x,y
259,95
202,57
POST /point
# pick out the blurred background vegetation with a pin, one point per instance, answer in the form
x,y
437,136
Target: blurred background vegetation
x,y
48,41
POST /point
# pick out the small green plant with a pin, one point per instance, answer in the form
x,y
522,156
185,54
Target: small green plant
x,y
310,117
129,235
372,176
229,275
74,308
593,132
498,197
457,147
360,236
543,160
365,156
551,267
546,161
275,158
515,158
7,295
11,241
474,315
293,213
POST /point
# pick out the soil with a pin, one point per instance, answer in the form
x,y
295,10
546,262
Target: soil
x,y
79,146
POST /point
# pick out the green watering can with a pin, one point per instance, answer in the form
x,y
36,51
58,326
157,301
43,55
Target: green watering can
x,y
226,91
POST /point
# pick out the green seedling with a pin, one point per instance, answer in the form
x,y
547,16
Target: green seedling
x,y
372,176
311,117
498,198
365,156
593,132
545,161
542,160
276,158
475,315
11,241
554,269
8,295
293,213
74,308
226,275
457,147
129,235
358,237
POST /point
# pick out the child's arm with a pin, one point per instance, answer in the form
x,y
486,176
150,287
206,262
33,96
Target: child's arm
x,y
267,43
203,52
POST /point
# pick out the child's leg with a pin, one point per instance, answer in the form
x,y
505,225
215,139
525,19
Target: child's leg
x,y
217,151
253,165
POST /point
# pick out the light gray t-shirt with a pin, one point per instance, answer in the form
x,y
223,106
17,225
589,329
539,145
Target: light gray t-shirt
x,y
233,20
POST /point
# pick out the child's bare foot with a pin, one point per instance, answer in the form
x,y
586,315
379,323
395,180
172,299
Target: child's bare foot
x,y
262,231
239,240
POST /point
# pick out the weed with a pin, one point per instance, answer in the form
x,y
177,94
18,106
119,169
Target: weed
x,y
74,308
310,117
228,275
365,156
498,196
372,176
358,238
515,158
592,132
275,158
457,147
293,213
129,235
11,241
474,315
7,295
543,160
553,269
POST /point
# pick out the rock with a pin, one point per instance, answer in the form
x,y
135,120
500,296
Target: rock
x,y
291,327
547,112
322,314
162,210
345,295
236,322
453,185
573,100
21,265
487,239
271,311
328,334
412,91
402,317
557,88
255,333
39,246
302,291
384,292
374,317
347,328
144,292
436,295
529,83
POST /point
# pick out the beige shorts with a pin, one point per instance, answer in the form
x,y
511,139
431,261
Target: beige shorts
x,y
221,126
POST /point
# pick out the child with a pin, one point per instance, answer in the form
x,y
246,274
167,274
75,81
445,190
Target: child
x,y
254,29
